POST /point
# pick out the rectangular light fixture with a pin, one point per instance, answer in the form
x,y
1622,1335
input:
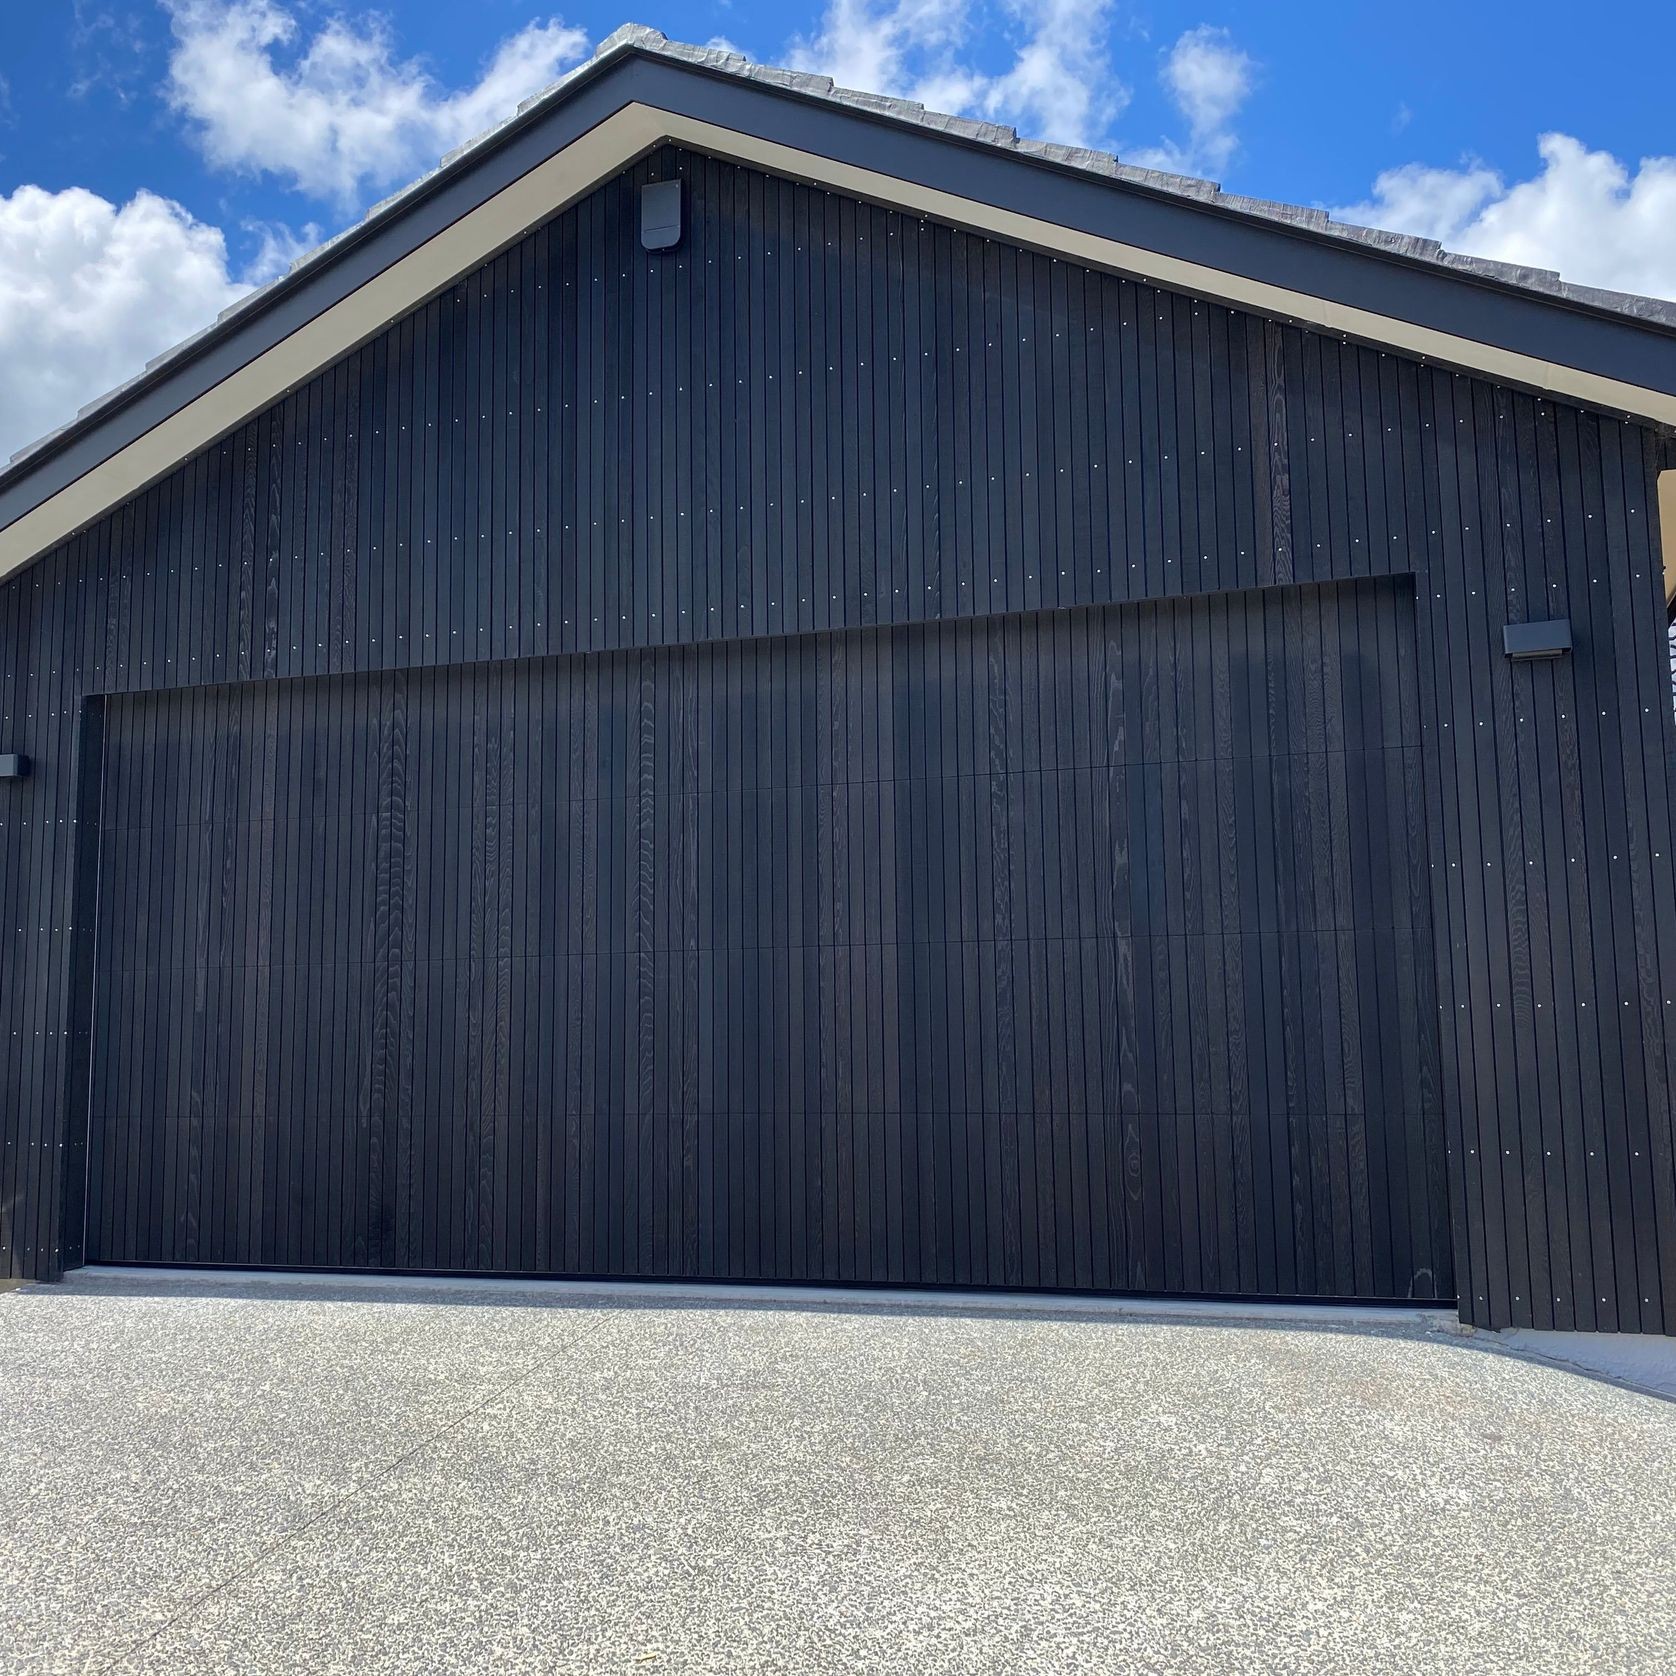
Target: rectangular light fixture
x,y
1537,640
660,215
14,766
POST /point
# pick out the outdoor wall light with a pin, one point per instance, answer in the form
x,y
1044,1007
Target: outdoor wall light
x,y
1537,640
14,767
660,215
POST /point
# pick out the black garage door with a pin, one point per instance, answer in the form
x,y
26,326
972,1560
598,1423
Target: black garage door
x,y
1085,949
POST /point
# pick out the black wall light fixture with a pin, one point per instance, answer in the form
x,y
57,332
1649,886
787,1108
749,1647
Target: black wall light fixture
x,y
660,215
1537,640
14,766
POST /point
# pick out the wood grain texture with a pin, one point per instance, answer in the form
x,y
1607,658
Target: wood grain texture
x,y
895,842
816,418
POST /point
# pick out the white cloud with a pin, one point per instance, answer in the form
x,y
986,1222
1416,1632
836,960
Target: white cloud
x,y
1208,78
277,247
108,53
1059,85
896,49
90,291
1584,213
1433,203
339,114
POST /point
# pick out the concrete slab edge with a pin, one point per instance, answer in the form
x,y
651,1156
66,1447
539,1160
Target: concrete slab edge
x,y
1644,1362
372,1286
1636,1362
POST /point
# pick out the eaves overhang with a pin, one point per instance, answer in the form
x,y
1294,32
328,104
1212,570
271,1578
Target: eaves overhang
x,y
1616,354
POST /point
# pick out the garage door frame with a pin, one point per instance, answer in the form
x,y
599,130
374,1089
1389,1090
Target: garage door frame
x,y
83,965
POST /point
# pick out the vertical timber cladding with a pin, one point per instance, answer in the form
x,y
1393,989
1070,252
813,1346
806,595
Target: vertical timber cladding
x,y
875,422
1076,949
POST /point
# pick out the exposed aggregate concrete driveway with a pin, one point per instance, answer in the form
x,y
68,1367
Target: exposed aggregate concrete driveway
x,y
284,1479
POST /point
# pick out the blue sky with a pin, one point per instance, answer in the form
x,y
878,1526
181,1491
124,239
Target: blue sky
x,y
156,157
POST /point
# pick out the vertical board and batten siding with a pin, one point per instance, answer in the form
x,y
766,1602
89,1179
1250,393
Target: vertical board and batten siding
x,y
1076,949
817,415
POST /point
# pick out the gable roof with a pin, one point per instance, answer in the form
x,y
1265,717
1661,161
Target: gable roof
x,y
1520,326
